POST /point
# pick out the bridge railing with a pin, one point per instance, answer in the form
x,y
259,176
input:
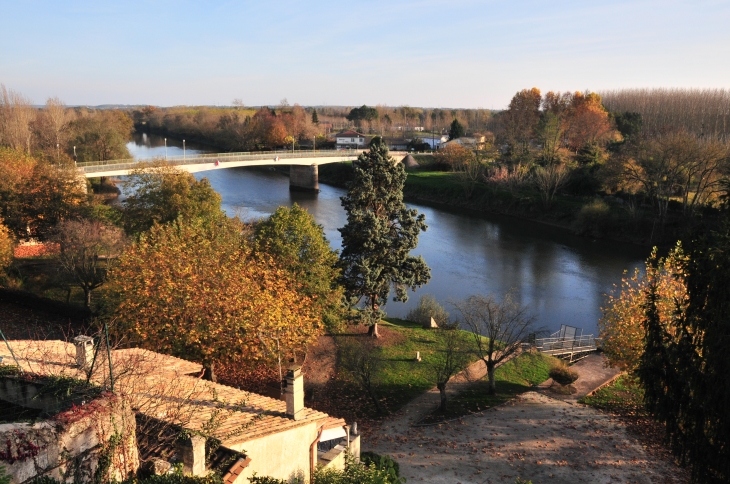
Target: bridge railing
x,y
200,158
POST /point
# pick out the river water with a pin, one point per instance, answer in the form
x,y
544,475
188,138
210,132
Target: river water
x,y
562,278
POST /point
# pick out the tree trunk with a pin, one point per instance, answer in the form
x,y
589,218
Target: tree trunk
x,y
442,392
490,373
373,330
210,372
374,398
87,294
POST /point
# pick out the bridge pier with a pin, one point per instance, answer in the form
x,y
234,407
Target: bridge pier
x,y
304,178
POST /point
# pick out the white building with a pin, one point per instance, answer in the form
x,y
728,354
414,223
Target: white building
x,y
349,140
436,141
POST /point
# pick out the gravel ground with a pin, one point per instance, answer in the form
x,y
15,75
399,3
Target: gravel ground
x,y
533,437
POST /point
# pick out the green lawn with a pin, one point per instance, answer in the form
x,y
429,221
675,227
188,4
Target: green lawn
x,y
624,395
514,377
402,378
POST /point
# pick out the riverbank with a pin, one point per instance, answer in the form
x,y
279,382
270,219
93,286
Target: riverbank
x,y
592,217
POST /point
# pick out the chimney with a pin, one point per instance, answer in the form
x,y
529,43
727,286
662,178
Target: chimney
x,y
294,393
192,452
84,351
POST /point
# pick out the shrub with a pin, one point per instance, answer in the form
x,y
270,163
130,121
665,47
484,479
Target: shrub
x,y
6,247
594,219
563,375
428,308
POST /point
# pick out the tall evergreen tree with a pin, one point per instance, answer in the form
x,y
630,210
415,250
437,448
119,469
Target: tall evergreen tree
x,y
379,235
315,117
456,130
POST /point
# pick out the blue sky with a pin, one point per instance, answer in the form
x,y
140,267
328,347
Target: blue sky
x,y
420,53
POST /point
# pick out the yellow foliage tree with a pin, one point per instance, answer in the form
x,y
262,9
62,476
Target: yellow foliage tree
x,y
6,247
193,290
621,327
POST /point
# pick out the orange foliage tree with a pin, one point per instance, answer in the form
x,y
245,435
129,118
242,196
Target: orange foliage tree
x,y
587,121
621,327
6,247
453,155
194,290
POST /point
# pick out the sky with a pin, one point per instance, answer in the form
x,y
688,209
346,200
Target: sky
x,y
459,54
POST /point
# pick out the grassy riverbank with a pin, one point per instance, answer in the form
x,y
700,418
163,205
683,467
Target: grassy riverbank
x,y
593,217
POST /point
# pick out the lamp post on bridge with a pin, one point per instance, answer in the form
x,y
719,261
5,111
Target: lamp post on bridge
x,y
165,149
183,150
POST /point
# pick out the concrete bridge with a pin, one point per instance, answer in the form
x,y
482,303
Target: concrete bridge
x,y
303,173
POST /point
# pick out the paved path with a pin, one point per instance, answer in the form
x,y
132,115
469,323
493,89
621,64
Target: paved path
x,y
533,437
592,373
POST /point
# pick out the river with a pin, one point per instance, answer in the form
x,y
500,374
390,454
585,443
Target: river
x,y
561,277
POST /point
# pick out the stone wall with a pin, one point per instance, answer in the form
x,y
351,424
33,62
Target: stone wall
x,y
97,438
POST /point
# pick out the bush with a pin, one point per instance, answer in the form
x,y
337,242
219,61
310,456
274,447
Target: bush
x,y
6,247
594,219
382,462
428,308
563,375
381,471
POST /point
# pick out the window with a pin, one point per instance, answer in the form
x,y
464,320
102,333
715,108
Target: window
x,y
352,139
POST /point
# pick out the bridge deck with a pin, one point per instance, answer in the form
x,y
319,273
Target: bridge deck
x,y
212,161
566,346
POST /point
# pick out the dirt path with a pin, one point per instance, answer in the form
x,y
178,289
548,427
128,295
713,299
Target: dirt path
x,y
534,436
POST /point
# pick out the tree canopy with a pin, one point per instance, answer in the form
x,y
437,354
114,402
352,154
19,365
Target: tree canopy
x,y
161,193
298,244
363,113
193,290
379,234
456,130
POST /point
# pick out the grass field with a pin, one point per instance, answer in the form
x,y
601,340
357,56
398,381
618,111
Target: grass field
x,y
514,377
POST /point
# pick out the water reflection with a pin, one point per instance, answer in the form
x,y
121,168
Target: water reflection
x,y
561,277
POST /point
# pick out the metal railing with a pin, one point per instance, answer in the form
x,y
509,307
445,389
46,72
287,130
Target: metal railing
x,y
198,158
557,346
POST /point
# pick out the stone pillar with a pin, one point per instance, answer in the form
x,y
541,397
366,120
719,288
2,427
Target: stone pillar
x,y
294,393
304,178
84,351
192,452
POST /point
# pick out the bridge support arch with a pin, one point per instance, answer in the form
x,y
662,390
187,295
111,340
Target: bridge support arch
x,y
304,178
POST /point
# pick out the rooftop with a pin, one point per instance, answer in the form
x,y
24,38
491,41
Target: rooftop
x,y
170,389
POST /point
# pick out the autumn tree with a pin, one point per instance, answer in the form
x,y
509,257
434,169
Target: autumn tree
x,y
453,155
521,118
194,290
161,193
101,135
16,117
498,328
36,195
621,327
379,235
587,121
298,244
88,251
6,247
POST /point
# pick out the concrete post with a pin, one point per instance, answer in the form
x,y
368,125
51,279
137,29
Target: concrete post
x,y
192,452
84,351
294,393
304,178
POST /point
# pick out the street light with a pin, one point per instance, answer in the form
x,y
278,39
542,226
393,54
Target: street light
x,y
165,148
183,150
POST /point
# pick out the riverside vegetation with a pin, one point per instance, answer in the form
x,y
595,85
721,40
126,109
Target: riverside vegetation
x,y
660,174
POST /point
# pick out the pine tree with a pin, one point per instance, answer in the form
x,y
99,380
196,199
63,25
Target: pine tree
x,y
315,118
456,130
379,235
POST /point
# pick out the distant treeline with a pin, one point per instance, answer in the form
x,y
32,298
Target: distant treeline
x,y
52,132
704,112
